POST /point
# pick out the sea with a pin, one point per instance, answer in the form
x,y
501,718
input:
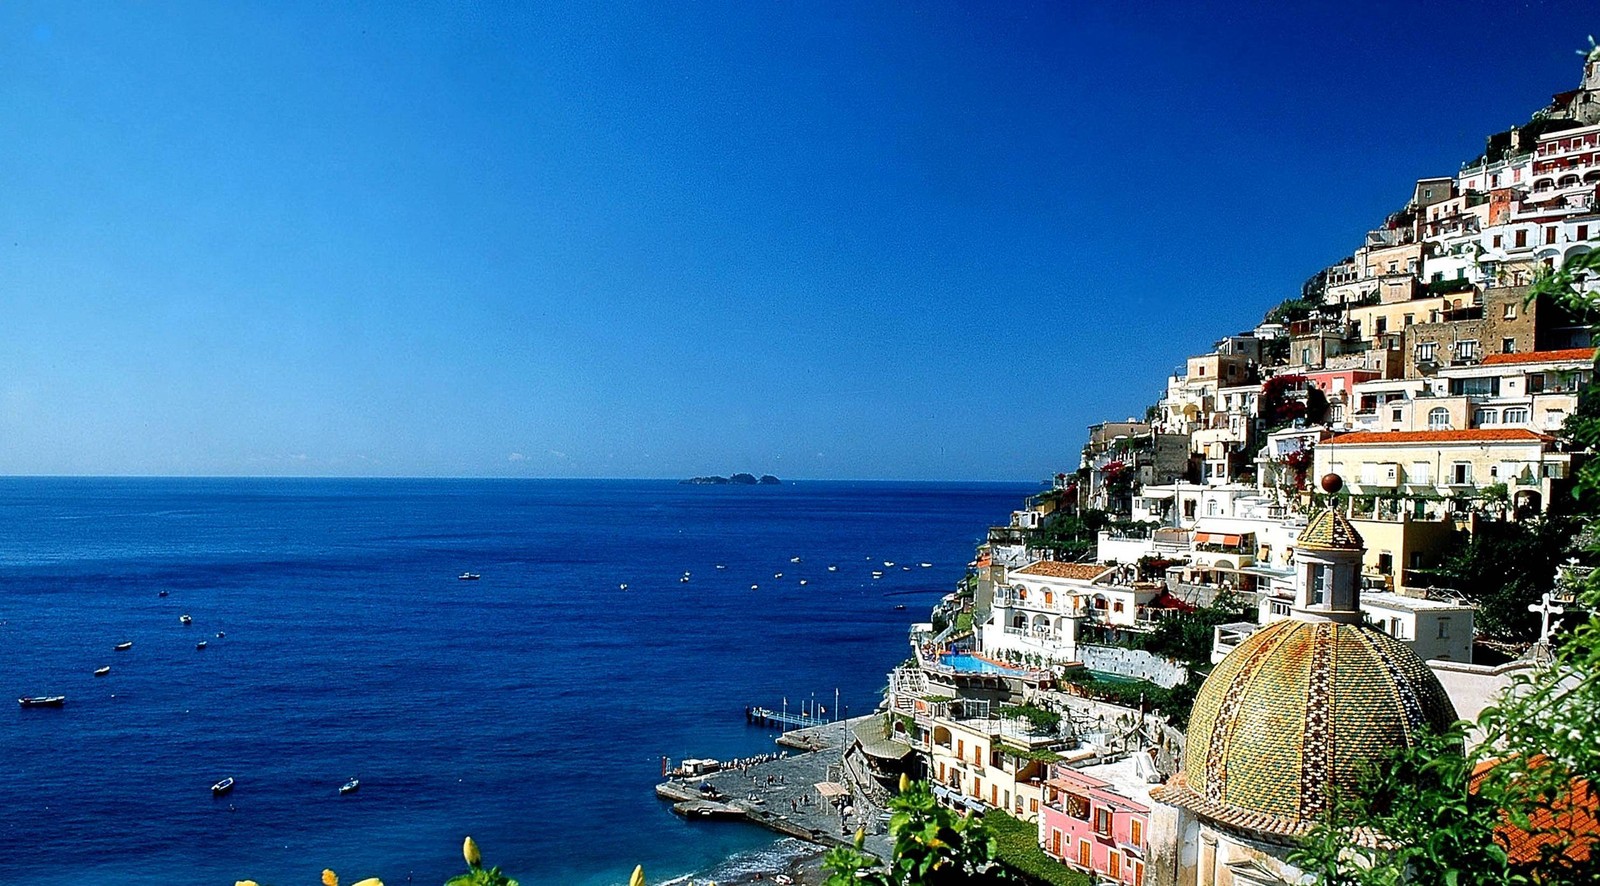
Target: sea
x,y
530,708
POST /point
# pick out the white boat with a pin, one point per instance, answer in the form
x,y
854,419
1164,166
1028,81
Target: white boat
x,y
468,576
794,559
42,701
124,646
222,787
350,786
888,564
201,645
184,619
101,672
754,587
623,586
925,565
877,573
221,634
833,568
684,579
802,582
161,593
777,575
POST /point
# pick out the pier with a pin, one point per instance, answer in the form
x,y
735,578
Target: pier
x,y
783,719
809,794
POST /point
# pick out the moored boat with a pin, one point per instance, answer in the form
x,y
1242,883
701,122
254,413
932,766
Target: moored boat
x,y
101,672
124,646
350,786
222,787
469,576
200,645
161,593
42,701
184,619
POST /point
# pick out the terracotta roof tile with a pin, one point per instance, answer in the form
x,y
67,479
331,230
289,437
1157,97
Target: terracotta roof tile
x,y
1053,569
1475,435
1585,354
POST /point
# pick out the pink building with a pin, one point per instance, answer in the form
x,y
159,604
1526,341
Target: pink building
x,y
1087,823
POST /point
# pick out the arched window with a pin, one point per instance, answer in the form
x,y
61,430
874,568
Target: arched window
x,y
1439,419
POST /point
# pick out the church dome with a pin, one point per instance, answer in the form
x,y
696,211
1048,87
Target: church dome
x,y
1330,531
1292,714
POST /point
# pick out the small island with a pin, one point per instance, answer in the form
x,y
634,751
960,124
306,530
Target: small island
x,y
735,480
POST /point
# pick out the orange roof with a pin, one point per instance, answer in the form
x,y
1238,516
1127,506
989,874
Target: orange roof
x,y
1584,354
1568,821
1476,435
1083,571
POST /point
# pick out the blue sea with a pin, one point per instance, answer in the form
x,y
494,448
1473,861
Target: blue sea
x,y
529,709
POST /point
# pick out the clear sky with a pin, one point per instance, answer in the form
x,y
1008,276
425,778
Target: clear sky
x,y
822,240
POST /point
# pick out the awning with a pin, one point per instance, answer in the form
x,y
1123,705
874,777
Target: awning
x,y
882,748
1216,538
1158,493
830,789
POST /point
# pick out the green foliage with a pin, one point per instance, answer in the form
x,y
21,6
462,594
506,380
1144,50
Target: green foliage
x,y
1290,310
1040,721
1174,703
1018,847
933,846
1071,536
1504,567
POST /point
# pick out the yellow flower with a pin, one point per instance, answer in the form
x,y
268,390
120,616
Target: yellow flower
x,y
638,876
245,883
469,851
905,782
861,837
370,881
329,878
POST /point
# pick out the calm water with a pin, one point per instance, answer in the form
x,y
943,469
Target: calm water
x,y
529,709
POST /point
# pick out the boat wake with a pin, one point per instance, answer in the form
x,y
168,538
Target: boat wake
x,y
768,860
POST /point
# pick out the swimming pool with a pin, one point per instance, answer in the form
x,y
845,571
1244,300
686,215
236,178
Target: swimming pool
x,y
971,664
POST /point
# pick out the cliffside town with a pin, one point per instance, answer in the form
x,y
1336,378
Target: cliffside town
x,y
1165,662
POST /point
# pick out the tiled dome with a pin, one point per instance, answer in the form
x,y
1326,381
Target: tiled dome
x,y
1330,531
1295,710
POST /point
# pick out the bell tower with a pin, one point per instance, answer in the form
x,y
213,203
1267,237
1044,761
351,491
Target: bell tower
x,y
1328,570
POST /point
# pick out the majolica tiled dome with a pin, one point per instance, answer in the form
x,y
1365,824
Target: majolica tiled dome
x,y
1296,709
1330,531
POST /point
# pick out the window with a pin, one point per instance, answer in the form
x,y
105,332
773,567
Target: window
x,y
1444,628
1138,873
1427,351
1055,842
1386,563
961,749
1420,473
1202,371
1498,240
1438,419
1085,854
1511,311
1583,232
1114,865
1397,629
1409,319
1305,356
1516,415
1394,414
1394,266
977,789
1488,386
1508,345
1481,417
1549,235
1461,473
1466,349
1380,325
1522,237
1102,821
1319,584
1136,834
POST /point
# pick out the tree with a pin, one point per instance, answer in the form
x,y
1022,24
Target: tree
x,y
933,846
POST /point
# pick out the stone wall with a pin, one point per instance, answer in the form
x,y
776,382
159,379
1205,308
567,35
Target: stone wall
x,y
1135,663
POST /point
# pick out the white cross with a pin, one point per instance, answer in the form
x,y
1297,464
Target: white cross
x,y
1546,607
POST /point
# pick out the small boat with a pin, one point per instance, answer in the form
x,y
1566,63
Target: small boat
x,y
794,559
833,568
124,646
720,566
755,587
899,606
42,701
350,786
777,575
888,564
802,582
684,579
926,565
101,672
221,634
623,586
200,645
876,573
905,569
222,787
468,576
161,593
184,619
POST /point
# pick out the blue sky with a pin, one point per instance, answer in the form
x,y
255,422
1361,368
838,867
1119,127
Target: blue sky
x,y
892,240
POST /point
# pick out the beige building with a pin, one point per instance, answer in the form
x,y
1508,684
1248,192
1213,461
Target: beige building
x,y
1421,465
978,760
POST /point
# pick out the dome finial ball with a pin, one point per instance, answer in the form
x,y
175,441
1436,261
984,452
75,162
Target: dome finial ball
x,y
1332,483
